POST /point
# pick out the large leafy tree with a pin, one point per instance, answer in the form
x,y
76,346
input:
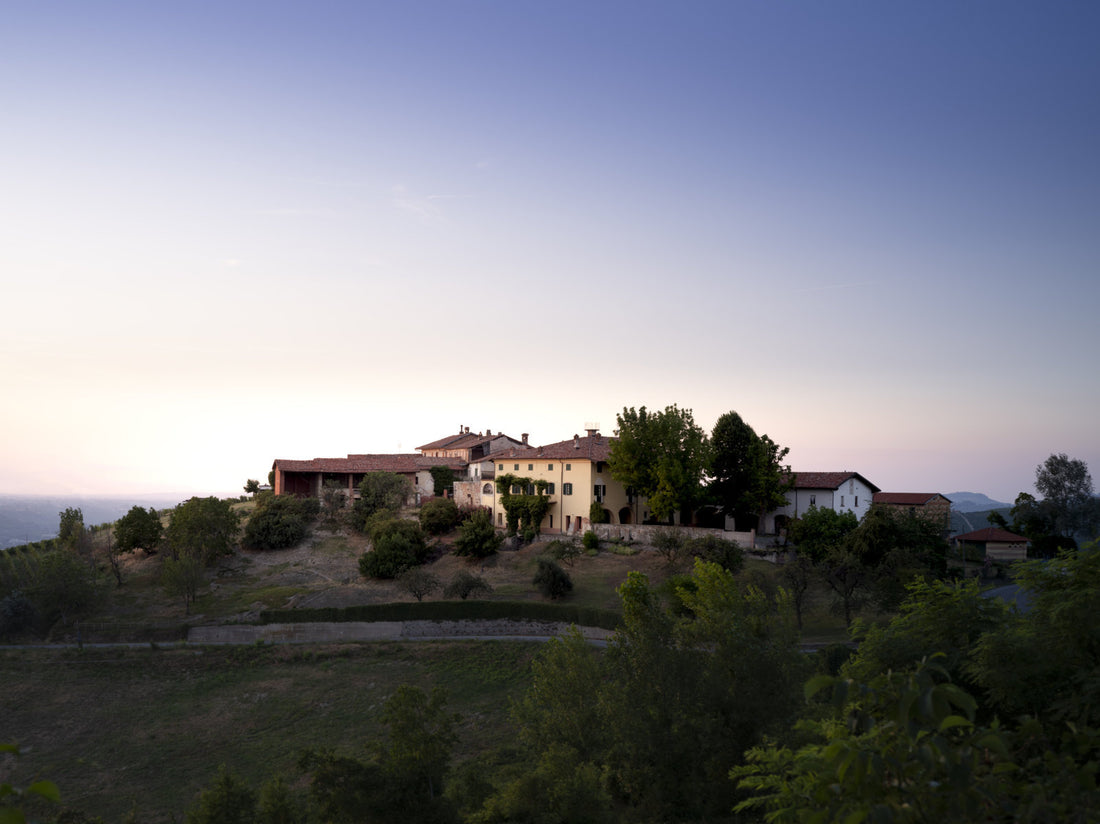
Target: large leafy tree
x,y
204,528
747,472
70,531
138,529
649,730
1066,487
661,455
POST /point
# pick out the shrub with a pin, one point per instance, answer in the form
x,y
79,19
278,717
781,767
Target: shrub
x,y
590,540
567,551
597,514
16,613
477,538
379,492
397,545
464,584
418,582
669,543
439,516
279,521
726,554
552,581
138,529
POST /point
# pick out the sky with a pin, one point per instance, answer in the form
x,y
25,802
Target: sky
x,y
232,232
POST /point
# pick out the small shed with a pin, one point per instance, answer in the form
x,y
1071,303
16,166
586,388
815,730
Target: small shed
x,y
994,543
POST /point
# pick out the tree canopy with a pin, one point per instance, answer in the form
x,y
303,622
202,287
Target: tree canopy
x,y
748,477
138,529
1066,487
205,528
661,455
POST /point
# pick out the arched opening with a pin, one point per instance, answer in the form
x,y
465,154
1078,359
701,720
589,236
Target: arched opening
x,y
625,515
487,489
606,517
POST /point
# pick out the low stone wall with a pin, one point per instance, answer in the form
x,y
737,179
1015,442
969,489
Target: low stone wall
x,y
643,533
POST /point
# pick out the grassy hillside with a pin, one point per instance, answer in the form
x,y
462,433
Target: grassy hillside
x,y
118,728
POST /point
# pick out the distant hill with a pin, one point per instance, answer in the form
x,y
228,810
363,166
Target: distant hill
x,y
974,502
28,518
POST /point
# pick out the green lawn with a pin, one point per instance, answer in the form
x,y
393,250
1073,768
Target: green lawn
x,y
114,728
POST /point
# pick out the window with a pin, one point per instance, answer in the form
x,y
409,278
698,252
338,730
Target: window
x,y
515,489
857,502
549,467
516,467
501,467
487,489
813,500
530,489
599,490
530,467
842,500
599,467
568,467
567,489
550,489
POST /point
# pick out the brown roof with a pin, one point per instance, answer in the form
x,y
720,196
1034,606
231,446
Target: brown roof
x,y
827,480
906,498
992,534
400,463
590,447
465,440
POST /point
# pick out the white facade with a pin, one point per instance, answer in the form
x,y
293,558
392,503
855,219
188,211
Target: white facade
x,y
838,491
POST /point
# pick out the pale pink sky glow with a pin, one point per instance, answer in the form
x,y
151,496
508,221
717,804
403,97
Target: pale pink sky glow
x,y
230,235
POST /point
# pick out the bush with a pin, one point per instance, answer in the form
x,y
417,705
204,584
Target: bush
x,y
597,514
397,545
279,521
439,516
590,540
726,554
552,581
477,538
16,613
418,582
567,551
670,544
138,529
464,584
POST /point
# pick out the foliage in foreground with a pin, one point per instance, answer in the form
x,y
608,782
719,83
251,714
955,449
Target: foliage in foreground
x,y
279,521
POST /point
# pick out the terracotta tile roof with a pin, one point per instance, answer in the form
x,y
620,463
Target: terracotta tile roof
x,y
465,440
906,498
827,480
992,534
400,463
590,447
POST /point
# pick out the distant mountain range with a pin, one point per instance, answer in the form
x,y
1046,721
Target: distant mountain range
x,y
974,502
28,518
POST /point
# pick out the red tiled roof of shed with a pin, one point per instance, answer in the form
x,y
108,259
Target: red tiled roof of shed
x,y
992,534
404,463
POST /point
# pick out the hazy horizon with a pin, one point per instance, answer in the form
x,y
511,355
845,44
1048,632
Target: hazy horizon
x,y
243,232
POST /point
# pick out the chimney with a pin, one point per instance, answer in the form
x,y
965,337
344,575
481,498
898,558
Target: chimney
x,y
540,451
467,432
488,433
460,429
576,441
523,437
592,432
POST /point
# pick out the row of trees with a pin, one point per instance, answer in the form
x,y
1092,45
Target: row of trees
x,y
668,458
1067,510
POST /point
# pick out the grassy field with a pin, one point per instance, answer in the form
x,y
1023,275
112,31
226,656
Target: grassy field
x,y
117,728
122,727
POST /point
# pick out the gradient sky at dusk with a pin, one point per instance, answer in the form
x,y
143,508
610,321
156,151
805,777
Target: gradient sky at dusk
x,y
236,231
